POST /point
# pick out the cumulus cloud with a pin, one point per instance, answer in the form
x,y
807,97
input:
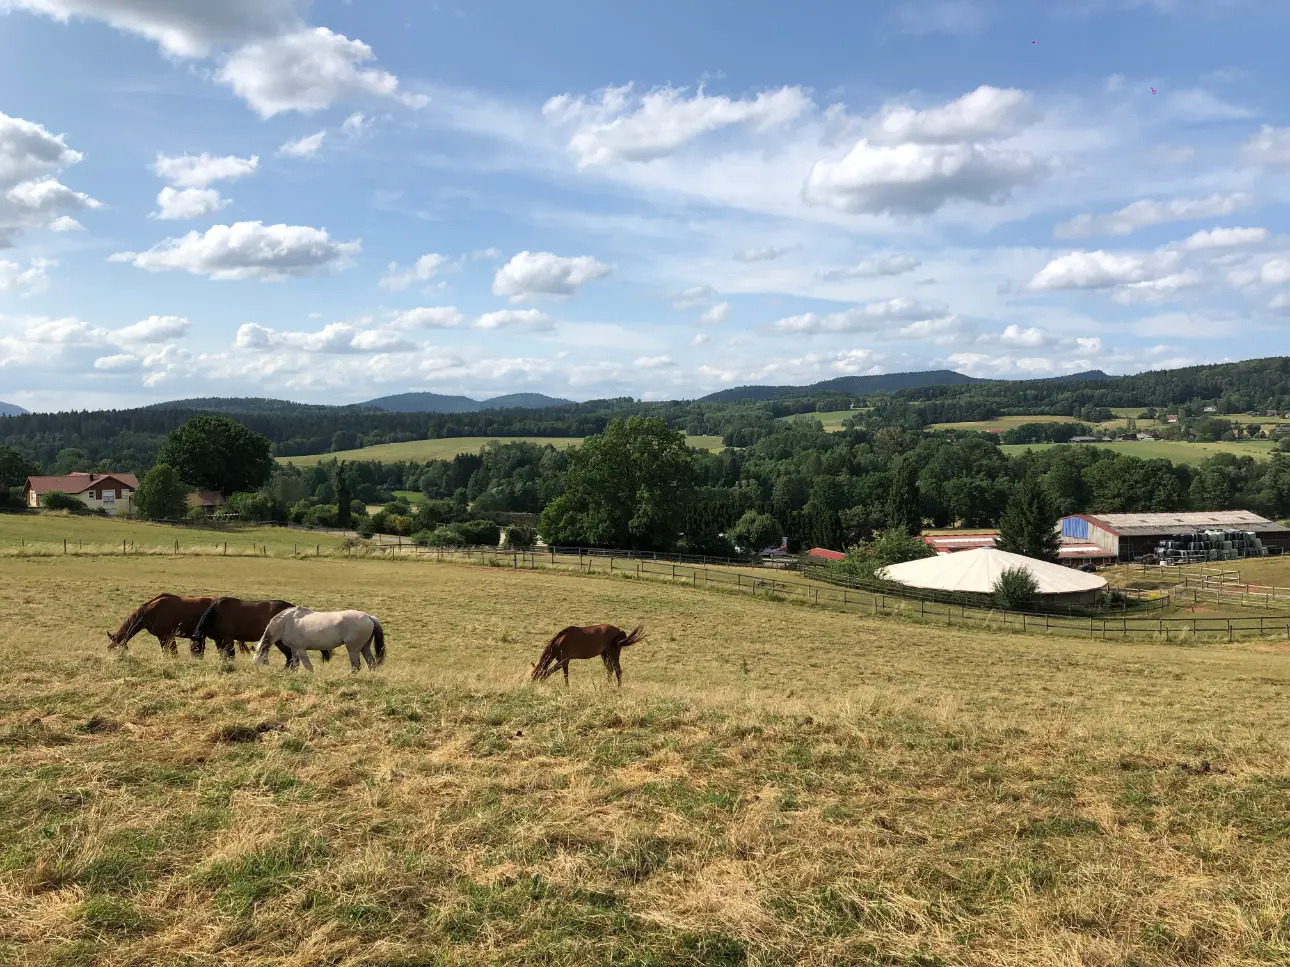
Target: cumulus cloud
x,y
1156,290
305,147
154,329
179,203
334,338
514,319
307,70
203,170
694,296
716,315
620,127
764,254
866,318
1225,238
438,317
1099,269
1141,214
653,362
396,279
1029,338
918,178
988,113
874,268
247,250
1275,272
118,362
531,275
34,277
30,197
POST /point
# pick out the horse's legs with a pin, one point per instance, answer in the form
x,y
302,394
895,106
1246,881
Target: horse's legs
x,y
609,664
302,657
618,669
168,644
565,666
243,648
353,650
366,652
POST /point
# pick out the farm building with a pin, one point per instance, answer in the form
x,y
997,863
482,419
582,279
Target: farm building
x,y
824,554
113,492
977,572
1129,537
207,500
1071,553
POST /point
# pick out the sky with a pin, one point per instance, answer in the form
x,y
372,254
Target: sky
x,y
332,201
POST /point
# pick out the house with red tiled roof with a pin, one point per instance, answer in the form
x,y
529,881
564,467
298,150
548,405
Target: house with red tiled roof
x,y
113,492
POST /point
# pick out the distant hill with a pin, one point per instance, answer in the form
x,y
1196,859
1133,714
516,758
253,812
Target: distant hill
x,y
11,409
884,383
851,385
237,404
438,403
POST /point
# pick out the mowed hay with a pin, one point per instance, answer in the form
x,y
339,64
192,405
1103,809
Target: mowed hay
x,y
774,784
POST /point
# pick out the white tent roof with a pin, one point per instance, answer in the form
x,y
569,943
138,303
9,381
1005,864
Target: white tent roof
x,y
977,572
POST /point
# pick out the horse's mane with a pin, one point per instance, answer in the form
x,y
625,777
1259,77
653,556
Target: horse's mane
x,y
131,624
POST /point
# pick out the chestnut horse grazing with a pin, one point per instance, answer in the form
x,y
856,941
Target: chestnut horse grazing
x,y
168,616
603,641
232,620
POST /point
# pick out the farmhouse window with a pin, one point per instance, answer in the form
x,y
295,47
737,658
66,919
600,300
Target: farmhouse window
x,y
92,497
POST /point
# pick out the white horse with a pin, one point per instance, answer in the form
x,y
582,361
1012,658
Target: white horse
x,y
303,630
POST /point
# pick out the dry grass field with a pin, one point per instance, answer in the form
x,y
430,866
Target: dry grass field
x,y
45,533
773,784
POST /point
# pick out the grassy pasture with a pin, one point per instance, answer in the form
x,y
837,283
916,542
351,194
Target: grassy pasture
x,y
773,785
1175,451
43,532
832,419
446,449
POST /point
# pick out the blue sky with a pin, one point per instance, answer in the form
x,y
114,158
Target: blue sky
x,y
332,201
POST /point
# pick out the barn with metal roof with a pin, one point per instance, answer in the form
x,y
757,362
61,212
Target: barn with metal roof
x,y
1133,536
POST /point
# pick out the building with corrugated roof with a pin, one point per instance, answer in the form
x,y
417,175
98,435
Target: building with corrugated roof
x,y
1133,536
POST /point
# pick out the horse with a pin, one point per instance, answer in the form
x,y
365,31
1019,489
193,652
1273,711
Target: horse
x,y
231,620
303,630
605,641
168,616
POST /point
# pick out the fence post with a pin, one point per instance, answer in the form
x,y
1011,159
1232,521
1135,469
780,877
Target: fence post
x,y
226,548
176,545
318,550
123,547
1229,630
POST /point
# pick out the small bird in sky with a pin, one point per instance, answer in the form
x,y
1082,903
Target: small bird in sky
x,y
1034,41
1153,90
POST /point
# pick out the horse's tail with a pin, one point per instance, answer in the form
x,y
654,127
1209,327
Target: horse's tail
x,y
205,623
637,635
378,640
549,659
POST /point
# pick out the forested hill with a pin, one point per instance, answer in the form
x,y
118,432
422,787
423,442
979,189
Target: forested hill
x,y
850,385
10,409
235,405
438,403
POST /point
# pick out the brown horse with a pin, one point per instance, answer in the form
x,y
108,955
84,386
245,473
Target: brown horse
x,y
232,620
603,641
167,616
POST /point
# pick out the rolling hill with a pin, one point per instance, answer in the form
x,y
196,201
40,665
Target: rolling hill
x,y
438,403
884,383
11,409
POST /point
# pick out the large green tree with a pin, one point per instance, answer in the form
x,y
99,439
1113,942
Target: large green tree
x,y
344,514
161,494
1029,524
755,532
626,487
217,453
904,505
14,469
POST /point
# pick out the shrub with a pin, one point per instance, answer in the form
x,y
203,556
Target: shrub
x,y
444,537
755,532
57,500
892,546
197,515
254,506
520,537
706,545
366,528
1016,589
478,533
324,515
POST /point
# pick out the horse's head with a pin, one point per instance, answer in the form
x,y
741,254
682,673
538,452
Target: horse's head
x,y
262,653
114,641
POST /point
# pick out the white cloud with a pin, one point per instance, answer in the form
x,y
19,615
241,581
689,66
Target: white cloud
x,y
118,362
1280,302
177,203
246,250
307,70
33,278
334,338
439,317
305,147
765,254
1271,146
1156,290
867,318
30,197
397,279
356,124
530,275
1145,212
694,296
183,28
918,178
65,223
203,170
1099,269
514,318
619,127
1197,104
701,339
1275,272
154,329
981,115
716,315
874,268
1029,338
653,362
1225,238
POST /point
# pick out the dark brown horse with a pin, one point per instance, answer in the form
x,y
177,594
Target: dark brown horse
x,y
602,641
167,616
232,620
